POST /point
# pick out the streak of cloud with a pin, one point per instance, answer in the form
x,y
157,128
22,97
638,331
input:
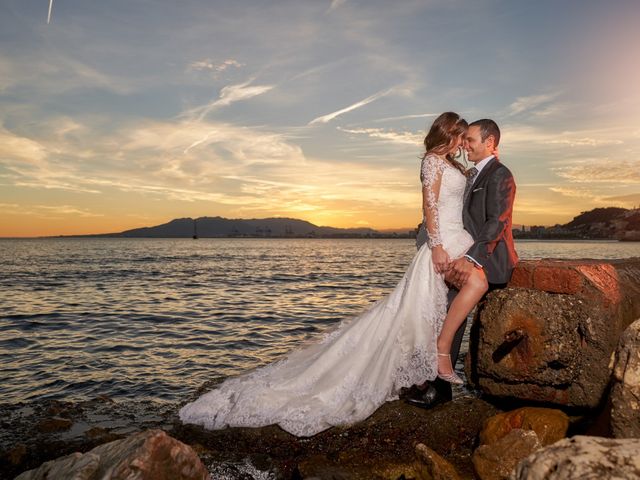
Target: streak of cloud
x,y
228,95
330,116
405,117
523,104
208,64
406,138
601,171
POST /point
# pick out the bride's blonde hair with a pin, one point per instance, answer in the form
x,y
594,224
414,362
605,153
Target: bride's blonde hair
x,y
442,136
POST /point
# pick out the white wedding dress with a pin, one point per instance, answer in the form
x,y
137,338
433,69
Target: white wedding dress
x,y
346,375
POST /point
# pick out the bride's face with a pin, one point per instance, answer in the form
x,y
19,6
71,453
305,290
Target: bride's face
x,y
459,141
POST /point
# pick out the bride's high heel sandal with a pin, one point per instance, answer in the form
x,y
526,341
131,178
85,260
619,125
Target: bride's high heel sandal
x,y
449,377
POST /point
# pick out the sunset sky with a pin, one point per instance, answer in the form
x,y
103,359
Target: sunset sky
x,y
120,114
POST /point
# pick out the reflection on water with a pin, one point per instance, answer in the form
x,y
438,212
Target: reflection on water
x,y
156,318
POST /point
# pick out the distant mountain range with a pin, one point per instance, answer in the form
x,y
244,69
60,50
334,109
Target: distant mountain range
x,y
600,223
609,223
237,227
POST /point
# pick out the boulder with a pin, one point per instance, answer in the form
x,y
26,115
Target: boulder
x,y
431,466
549,424
148,455
625,392
497,461
582,457
550,335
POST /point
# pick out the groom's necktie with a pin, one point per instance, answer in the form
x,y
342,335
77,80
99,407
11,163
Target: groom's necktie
x,y
472,173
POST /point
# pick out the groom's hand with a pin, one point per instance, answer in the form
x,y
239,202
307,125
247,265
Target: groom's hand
x,y
461,270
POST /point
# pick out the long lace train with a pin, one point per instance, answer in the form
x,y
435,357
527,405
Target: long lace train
x,y
351,371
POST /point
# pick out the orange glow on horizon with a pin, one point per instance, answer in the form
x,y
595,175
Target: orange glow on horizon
x,y
32,226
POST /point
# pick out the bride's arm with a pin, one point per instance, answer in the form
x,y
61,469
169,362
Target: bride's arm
x,y
431,174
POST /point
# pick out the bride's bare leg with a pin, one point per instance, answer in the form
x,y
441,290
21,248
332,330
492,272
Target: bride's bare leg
x,y
470,294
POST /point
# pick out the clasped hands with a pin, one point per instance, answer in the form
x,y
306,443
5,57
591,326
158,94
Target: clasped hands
x,y
456,272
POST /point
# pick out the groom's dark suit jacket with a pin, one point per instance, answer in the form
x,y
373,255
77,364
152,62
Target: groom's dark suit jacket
x,y
487,217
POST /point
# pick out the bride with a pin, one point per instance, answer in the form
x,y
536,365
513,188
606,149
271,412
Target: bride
x,y
401,340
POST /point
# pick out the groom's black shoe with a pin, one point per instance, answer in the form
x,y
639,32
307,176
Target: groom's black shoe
x,y
428,395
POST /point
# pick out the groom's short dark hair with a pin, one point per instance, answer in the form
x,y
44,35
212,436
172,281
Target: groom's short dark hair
x,y
487,127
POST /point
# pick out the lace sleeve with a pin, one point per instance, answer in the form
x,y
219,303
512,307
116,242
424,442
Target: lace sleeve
x,y
431,176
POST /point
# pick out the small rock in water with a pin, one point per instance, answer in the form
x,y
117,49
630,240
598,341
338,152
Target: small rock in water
x,y
497,461
583,457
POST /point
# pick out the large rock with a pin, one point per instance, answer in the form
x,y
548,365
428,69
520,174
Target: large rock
x,y
551,335
497,460
583,457
148,455
549,424
625,394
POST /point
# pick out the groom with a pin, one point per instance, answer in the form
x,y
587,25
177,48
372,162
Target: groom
x,y
486,214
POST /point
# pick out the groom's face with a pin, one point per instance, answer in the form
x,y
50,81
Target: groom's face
x,y
476,148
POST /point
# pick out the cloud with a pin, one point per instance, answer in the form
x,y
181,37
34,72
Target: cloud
x,y
598,199
208,64
405,138
629,201
406,117
46,211
20,149
330,116
519,135
585,141
235,93
335,4
523,104
239,145
601,171
575,192
228,95
67,210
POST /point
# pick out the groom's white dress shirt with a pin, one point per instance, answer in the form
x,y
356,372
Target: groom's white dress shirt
x,y
481,164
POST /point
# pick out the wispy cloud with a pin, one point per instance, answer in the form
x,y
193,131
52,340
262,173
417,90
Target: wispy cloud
x,y
235,93
228,95
208,64
335,4
629,201
573,141
330,116
47,211
405,117
18,148
523,104
601,171
405,138
575,192
598,198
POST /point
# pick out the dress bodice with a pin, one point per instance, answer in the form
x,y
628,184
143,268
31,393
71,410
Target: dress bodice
x,y
443,201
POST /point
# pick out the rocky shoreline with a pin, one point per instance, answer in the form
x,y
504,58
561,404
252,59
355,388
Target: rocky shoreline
x,y
542,357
